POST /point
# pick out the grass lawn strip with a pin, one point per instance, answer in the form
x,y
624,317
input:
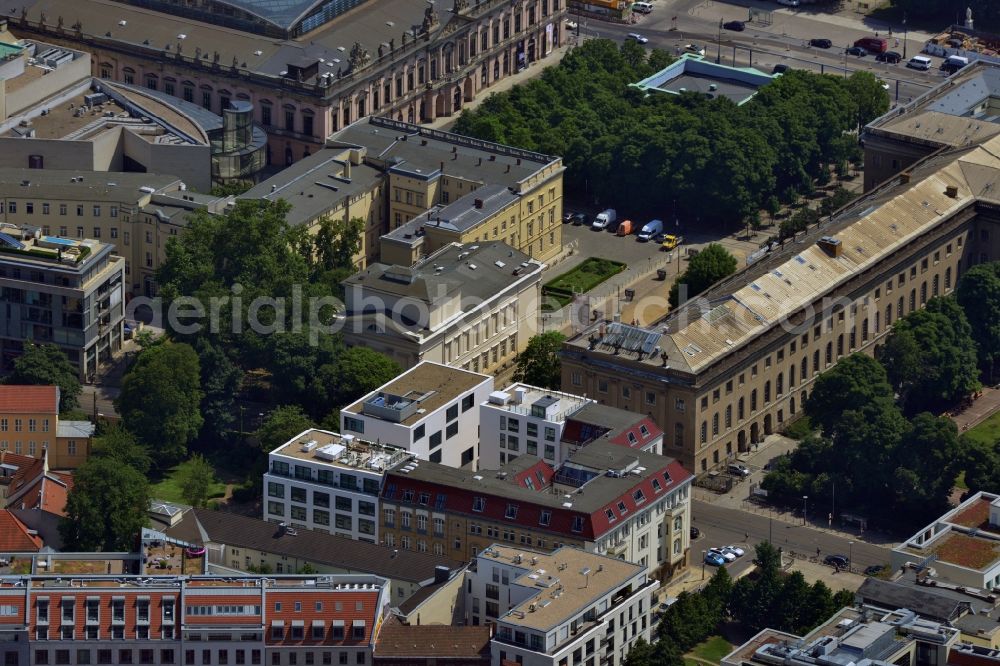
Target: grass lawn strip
x,y
582,278
711,650
169,489
987,432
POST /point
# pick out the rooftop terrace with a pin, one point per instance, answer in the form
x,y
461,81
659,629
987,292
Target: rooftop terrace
x,y
330,448
29,243
566,580
528,400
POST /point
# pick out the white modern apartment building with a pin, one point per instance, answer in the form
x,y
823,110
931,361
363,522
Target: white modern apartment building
x,y
566,607
323,481
528,420
538,416
431,410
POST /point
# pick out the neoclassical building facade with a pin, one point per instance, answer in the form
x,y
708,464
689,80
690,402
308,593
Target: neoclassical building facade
x,y
408,60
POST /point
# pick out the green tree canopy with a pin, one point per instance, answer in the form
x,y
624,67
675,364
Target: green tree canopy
x,y
930,357
119,445
708,267
539,363
195,477
979,295
281,425
160,400
852,383
45,365
106,508
871,99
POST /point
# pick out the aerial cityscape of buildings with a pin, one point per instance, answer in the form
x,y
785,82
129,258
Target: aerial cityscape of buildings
x,y
509,436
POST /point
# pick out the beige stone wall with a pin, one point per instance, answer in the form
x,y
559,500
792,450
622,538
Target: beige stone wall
x,y
66,75
737,402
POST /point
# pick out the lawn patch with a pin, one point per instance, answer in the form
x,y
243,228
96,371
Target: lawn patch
x,y
580,279
168,489
712,649
987,432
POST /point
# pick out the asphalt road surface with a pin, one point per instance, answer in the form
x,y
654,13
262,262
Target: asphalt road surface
x,y
785,41
721,526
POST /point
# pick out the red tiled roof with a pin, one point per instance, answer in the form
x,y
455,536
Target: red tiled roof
x,y
33,487
15,459
540,473
637,440
16,399
14,537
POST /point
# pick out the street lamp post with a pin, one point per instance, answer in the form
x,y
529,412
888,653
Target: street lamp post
x,y
850,556
904,35
703,565
805,499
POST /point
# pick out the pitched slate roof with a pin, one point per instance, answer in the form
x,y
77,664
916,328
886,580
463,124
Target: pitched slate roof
x,y
356,556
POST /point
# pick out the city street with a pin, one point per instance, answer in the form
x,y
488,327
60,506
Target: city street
x,y
785,40
721,526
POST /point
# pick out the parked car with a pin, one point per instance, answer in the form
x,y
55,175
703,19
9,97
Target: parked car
x,y
637,37
873,44
820,42
890,57
789,3
874,570
624,228
780,69
735,550
922,63
859,51
578,219
572,25
736,26
839,561
741,471
728,557
695,49
715,558
642,7
695,533
884,84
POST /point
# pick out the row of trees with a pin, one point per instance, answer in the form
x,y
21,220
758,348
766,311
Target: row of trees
x,y
768,598
879,447
695,157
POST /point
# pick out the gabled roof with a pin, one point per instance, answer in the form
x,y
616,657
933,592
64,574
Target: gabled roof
x,y
35,487
598,485
14,537
433,641
206,526
16,399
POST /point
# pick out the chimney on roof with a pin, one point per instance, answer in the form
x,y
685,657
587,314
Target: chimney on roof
x,y
518,161
478,203
832,246
508,169
480,162
904,177
951,191
347,169
442,167
441,573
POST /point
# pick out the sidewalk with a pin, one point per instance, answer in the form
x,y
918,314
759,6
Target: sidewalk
x,y
981,409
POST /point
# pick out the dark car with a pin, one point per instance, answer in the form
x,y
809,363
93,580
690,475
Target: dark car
x,y
839,561
820,43
780,69
695,533
737,26
874,570
859,51
578,219
890,57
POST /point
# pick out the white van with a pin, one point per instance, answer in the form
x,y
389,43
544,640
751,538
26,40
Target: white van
x,y
604,219
651,229
642,7
919,62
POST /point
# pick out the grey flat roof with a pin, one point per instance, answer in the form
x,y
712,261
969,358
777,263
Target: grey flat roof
x,y
924,602
600,491
734,90
51,184
460,215
426,153
472,269
300,186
